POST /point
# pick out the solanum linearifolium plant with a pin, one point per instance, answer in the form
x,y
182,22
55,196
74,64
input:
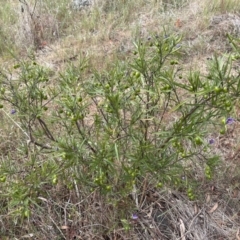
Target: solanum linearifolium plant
x,y
26,91
121,117
143,117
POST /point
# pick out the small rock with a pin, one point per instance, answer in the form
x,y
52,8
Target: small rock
x,y
79,4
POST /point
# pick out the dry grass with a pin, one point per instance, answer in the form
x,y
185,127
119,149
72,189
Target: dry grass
x,y
161,215
104,32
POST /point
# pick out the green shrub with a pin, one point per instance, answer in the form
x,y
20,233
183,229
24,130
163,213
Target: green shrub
x,y
145,117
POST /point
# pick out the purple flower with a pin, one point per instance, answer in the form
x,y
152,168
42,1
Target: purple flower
x,y
13,111
230,121
134,216
211,141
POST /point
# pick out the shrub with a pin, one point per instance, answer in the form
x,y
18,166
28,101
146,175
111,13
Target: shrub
x,y
108,131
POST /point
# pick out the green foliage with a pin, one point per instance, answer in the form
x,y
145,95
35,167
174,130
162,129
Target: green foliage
x,y
145,117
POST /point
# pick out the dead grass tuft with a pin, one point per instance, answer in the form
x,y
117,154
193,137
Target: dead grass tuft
x,y
37,27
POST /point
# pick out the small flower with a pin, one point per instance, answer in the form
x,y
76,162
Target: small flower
x,y
134,216
13,111
211,141
230,121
